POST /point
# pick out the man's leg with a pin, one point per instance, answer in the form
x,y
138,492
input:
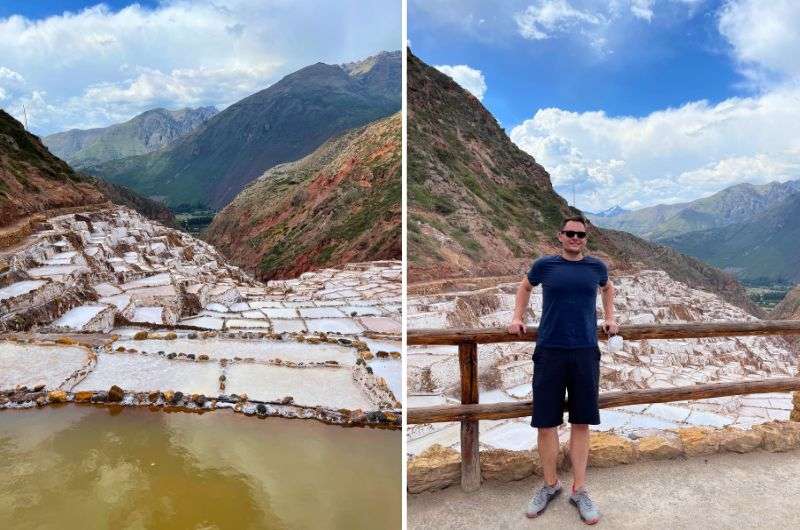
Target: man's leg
x,y
548,453
579,452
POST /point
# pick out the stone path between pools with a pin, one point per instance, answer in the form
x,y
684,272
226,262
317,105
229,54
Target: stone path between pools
x,y
109,306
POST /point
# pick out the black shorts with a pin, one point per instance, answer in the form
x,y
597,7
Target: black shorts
x,y
556,371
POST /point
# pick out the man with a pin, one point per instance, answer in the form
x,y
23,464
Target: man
x,y
566,358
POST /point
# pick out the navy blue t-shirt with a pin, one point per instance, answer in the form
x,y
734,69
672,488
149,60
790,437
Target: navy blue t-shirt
x,y
569,290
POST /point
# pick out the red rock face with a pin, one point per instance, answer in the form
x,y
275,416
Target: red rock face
x,y
339,205
32,180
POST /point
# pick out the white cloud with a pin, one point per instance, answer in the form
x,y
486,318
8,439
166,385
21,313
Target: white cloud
x,y
549,17
469,78
9,75
765,37
98,66
680,154
670,155
642,9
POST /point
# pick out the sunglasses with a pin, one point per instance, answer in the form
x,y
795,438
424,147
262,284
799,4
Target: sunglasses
x,y
573,233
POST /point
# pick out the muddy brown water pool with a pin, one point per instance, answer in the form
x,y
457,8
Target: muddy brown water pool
x,y
90,467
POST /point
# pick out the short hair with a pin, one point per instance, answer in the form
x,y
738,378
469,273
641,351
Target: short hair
x,y
576,218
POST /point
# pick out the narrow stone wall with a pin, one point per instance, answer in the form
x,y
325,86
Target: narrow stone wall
x,y
439,467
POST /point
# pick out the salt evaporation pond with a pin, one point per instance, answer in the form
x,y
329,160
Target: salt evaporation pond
x,y
392,371
261,350
90,467
308,386
33,364
143,374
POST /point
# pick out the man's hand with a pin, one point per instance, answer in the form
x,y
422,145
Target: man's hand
x,y
516,328
610,327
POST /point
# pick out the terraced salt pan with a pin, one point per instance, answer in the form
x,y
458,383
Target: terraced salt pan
x,y
391,370
334,325
246,323
120,301
362,311
50,271
150,315
376,345
260,350
106,289
329,387
18,289
78,317
287,326
381,324
31,365
261,304
320,312
144,373
204,322
281,312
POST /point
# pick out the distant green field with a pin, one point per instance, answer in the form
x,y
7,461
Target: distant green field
x,y
194,221
766,293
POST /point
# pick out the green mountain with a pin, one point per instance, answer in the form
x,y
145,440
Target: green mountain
x,y
282,123
765,247
735,204
145,133
338,205
480,206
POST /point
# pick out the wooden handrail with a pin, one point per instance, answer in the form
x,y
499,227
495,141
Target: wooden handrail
x,y
683,330
521,409
470,411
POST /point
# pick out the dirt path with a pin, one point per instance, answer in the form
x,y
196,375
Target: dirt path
x,y
753,490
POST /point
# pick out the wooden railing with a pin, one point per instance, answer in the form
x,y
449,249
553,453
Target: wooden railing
x,y
470,411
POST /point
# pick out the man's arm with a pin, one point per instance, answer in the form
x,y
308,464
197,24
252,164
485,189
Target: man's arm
x,y
610,325
517,325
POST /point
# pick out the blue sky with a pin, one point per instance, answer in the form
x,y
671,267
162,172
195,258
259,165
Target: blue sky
x,y
631,101
78,64
38,9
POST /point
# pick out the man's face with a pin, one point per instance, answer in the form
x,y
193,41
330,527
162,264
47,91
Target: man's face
x,y
572,244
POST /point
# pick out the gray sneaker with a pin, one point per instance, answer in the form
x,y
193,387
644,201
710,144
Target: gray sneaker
x,y
539,501
587,509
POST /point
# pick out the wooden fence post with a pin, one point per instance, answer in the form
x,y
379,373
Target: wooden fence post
x,y
470,456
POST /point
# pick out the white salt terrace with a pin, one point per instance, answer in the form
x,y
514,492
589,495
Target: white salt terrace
x,y
307,386
20,288
30,365
261,350
145,274
79,318
139,373
505,370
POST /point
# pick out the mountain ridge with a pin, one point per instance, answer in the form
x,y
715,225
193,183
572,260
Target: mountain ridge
x,y
146,132
731,205
764,247
279,124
